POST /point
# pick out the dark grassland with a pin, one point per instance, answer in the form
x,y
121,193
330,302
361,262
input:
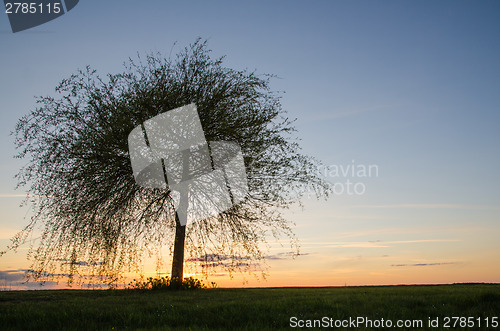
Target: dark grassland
x,y
239,309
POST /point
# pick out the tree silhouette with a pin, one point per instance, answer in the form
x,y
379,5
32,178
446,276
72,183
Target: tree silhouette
x,y
79,179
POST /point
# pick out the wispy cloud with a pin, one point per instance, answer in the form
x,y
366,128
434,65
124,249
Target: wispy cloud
x,y
7,195
216,258
424,264
372,243
79,263
12,275
331,115
430,206
284,256
13,195
414,241
49,275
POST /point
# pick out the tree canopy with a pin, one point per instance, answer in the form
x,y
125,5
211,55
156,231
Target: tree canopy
x,y
78,176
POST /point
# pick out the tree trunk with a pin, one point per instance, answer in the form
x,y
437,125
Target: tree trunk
x,y
176,276
178,258
180,230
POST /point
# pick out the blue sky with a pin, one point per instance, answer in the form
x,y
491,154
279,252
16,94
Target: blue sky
x,y
411,87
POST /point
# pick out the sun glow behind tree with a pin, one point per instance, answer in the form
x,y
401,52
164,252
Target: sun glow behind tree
x,y
85,196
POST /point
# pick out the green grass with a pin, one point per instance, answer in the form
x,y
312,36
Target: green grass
x,y
233,309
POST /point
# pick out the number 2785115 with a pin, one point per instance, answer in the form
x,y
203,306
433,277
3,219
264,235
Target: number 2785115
x,y
32,8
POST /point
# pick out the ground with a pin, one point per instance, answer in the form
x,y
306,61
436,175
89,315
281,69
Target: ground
x,y
420,307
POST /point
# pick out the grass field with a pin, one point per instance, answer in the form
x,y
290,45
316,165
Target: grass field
x,y
251,309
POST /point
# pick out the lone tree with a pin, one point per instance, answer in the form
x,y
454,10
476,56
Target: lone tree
x,y
79,181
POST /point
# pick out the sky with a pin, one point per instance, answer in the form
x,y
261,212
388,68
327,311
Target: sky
x,y
406,94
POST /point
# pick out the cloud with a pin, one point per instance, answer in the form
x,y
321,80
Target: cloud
x,y
12,275
345,113
19,279
12,195
231,261
79,263
216,258
371,243
283,256
423,264
30,286
430,206
226,264
50,275
16,280
414,241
